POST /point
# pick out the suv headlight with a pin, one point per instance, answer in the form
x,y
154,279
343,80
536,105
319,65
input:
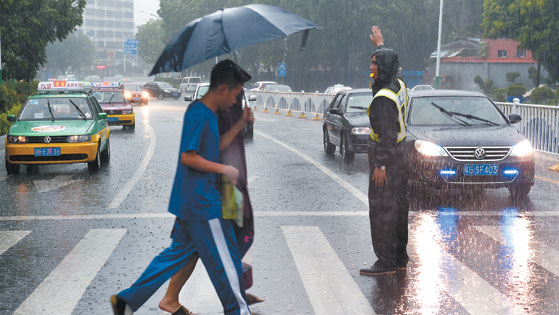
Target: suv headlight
x,y
523,148
166,91
80,138
360,131
429,148
17,139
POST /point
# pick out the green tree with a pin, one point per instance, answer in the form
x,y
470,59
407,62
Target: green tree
x,y
512,76
76,51
487,87
534,75
27,26
533,23
151,38
543,95
516,90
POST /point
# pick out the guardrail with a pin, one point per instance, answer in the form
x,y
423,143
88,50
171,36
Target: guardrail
x,y
540,123
289,102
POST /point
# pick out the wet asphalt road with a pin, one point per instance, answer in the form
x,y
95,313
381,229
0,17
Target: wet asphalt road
x,y
69,239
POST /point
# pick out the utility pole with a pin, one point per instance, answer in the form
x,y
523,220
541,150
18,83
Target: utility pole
x,y
0,58
437,77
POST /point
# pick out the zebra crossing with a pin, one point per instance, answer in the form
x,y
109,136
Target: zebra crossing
x,y
329,285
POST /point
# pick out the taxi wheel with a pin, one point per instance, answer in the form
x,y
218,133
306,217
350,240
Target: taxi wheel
x,y
106,154
95,165
12,169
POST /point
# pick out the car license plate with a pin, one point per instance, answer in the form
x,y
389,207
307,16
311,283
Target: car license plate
x,y
47,152
175,94
481,169
111,119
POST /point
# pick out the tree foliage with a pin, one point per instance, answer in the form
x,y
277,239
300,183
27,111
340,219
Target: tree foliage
x,y
74,51
487,87
27,26
151,38
340,51
543,95
533,23
512,76
516,90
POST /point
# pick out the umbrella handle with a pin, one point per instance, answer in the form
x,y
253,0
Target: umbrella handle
x,y
304,39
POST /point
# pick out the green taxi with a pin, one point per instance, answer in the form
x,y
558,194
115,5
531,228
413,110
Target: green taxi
x,y
62,123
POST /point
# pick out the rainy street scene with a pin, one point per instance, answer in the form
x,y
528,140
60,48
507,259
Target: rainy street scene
x,y
279,157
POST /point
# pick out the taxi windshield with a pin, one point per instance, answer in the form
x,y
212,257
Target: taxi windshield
x,y
109,96
61,108
358,102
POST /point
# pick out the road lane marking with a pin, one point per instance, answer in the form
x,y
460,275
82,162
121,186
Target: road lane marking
x,y
545,256
354,191
123,193
10,238
331,289
45,185
165,215
251,179
61,290
199,294
547,180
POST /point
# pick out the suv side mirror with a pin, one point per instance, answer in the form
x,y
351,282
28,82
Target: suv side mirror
x,y
12,118
102,115
514,118
252,98
188,98
335,111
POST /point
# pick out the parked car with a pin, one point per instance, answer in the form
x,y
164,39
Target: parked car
x,y
277,88
135,93
162,90
336,88
346,123
189,84
422,87
461,139
260,85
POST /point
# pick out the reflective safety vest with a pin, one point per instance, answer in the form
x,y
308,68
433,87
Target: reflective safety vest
x,y
400,99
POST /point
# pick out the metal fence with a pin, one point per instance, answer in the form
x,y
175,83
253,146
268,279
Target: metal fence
x,y
540,123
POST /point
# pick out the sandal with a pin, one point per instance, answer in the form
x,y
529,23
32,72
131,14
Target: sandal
x,y
183,311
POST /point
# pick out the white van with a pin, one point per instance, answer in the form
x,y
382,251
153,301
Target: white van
x,y
189,84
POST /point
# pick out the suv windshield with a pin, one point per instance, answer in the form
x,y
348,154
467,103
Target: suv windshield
x,y
423,112
358,102
61,108
109,96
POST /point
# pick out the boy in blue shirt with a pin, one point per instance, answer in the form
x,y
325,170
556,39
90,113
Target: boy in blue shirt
x,y
199,229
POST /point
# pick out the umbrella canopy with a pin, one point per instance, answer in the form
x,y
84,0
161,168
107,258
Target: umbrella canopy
x,y
225,31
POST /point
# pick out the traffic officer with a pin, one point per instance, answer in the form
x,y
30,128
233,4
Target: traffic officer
x,y
388,163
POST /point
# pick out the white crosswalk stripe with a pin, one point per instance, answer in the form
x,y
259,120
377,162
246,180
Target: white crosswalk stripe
x,y
545,256
62,289
330,289
10,238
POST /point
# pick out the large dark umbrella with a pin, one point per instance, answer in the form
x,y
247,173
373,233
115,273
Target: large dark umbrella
x,y
227,30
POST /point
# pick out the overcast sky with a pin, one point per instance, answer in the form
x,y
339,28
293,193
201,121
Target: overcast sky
x,y
143,9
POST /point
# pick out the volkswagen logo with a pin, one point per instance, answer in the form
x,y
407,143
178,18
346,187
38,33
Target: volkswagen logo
x,y
479,153
47,139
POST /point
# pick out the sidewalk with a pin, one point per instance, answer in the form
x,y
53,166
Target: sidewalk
x,y
543,162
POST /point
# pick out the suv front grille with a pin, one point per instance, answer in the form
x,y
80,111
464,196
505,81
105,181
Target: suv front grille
x,y
469,153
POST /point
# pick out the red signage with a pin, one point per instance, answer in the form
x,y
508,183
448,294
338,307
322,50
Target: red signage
x,y
101,67
59,83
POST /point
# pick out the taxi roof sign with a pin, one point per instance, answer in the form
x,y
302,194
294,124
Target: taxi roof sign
x,y
62,85
107,84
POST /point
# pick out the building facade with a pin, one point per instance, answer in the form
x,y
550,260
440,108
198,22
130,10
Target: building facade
x,y
108,23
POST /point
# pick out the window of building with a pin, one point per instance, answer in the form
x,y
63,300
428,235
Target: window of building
x,y
91,33
521,53
501,53
128,14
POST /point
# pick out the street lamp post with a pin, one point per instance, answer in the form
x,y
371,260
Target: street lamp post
x,y
437,69
0,58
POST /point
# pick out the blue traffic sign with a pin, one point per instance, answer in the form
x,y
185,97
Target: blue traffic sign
x,y
282,70
131,46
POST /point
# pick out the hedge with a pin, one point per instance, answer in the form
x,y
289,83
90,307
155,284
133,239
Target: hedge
x,y
12,95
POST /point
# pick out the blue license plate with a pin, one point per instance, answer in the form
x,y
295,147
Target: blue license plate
x,y
175,94
111,119
47,152
481,169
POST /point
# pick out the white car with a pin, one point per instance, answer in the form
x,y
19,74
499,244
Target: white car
x,y
260,85
336,88
189,84
199,92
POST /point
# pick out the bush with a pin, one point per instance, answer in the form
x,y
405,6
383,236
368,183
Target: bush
x,y
542,95
516,90
12,95
4,123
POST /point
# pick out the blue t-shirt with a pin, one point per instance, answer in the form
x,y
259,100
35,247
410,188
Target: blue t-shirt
x,y
194,196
